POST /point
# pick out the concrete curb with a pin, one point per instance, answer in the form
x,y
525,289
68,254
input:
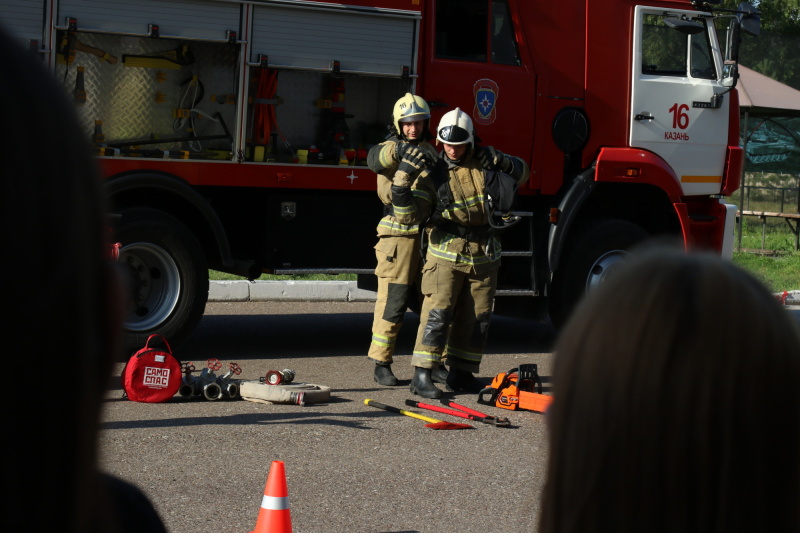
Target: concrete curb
x,y
289,291
327,291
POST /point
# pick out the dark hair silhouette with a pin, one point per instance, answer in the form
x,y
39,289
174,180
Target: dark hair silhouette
x,y
676,404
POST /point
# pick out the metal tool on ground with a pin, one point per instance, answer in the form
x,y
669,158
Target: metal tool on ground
x,y
496,420
276,377
203,385
460,414
515,390
229,384
433,423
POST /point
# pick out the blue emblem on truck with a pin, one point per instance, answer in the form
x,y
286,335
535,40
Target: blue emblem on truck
x,y
486,92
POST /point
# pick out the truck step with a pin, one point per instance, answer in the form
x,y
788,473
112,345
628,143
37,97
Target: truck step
x,y
516,292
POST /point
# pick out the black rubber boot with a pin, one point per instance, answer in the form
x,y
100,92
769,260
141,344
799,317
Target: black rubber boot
x,y
439,374
384,375
422,385
462,381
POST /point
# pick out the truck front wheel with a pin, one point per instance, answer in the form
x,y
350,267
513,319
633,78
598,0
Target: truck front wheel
x,y
589,258
165,274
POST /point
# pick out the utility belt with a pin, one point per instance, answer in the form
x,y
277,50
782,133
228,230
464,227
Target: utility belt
x,y
470,233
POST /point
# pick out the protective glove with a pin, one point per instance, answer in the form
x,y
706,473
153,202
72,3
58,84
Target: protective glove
x,y
490,159
401,147
412,161
402,179
413,154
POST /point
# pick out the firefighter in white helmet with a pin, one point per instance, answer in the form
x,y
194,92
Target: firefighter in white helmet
x,y
463,253
398,248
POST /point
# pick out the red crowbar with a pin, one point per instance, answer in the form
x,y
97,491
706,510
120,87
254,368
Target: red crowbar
x,y
498,421
476,417
432,422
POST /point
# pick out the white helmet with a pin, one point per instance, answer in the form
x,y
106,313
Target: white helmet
x,y
455,128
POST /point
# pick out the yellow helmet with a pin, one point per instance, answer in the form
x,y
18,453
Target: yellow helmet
x,y
409,108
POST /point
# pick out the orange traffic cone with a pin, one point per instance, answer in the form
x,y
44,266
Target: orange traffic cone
x,y
273,517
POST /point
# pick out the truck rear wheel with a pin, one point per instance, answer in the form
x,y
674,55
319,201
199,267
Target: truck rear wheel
x,y
166,276
588,259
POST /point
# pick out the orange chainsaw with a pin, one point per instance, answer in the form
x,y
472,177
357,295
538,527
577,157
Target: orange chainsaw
x,y
515,390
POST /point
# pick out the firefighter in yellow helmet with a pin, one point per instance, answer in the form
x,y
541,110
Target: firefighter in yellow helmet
x,y
398,248
463,254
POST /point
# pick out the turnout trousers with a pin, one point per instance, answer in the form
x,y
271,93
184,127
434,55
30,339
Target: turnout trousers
x,y
398,273
455,316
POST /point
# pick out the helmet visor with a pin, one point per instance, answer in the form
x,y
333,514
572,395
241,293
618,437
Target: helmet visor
x,y
413,113
453,135
414,118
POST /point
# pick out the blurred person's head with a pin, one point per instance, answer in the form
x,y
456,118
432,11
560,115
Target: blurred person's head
x,y
60,309
676,404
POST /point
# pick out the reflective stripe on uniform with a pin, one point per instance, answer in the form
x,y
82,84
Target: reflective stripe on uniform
x,y
380,340
386,157
427,356
440,251
407,210
396,227
422,195
472,201
463,354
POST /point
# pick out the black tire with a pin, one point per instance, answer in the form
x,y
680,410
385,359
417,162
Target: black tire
x,y
166,277
587,260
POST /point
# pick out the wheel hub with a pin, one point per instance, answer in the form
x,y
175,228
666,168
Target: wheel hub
x,y
601,268
154,285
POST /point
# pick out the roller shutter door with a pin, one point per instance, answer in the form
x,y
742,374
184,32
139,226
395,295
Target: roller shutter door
x,y
23,19
309,38
188,19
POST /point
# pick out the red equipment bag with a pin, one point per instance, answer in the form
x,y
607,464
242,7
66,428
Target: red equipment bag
x,y
152,375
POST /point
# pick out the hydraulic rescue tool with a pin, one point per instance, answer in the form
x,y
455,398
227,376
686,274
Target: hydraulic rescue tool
x,y
433,423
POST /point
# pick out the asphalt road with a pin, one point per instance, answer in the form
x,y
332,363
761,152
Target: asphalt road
x,y
349,467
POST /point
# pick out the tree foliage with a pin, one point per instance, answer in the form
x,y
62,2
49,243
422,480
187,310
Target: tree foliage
x,y
774,52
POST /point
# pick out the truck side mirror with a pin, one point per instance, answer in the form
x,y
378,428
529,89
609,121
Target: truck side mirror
x,y
749,19
730,73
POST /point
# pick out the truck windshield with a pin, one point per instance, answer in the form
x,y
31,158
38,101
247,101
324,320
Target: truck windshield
x,y
667,52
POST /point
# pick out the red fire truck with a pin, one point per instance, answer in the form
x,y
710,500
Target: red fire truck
x,y
232,133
